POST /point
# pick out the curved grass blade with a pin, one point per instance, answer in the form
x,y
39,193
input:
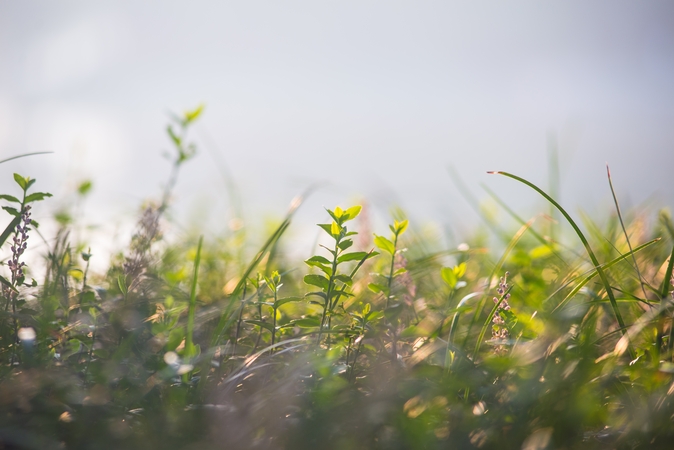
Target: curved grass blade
x,y
593,273
226,318
581,236
23,156
521,221
454,325
190,349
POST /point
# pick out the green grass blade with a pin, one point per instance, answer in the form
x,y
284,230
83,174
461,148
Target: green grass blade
x,y
10,228
23,156
521,221
622,225
666,282
593,273
226,319
189,336
581,236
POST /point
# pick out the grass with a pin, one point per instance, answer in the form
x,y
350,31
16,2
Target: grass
x,y
186,344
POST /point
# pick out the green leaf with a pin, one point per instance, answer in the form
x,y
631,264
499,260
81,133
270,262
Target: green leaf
x,y
283,301
449,277
176,336
6,282
344,279
121,282
317,280
384,244
174,137
9,198
336,217
36,197
335,229
374,315
317,294
84,187
12,211
346,243
460,270
259,323
21,181
376,288
352,212
191,116
317,261
10,228
309,322
400,227
355,256
327,228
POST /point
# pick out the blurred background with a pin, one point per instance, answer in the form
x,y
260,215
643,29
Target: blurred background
x,y
376,100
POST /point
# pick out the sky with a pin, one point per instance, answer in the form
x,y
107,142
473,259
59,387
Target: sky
x,y
373,100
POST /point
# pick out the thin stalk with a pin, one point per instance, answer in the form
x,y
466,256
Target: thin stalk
x,y
238,324
622,225
553,176
355,359
328,301
273,326
394,344
189,335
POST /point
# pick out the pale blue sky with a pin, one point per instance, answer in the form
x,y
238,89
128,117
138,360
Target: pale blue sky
x,y
377,98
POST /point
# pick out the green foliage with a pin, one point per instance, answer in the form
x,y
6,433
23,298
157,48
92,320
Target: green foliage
x,y
189,344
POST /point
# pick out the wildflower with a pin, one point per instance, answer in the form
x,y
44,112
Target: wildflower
x,y
500,331
19,245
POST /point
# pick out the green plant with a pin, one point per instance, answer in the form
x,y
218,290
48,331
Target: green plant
x,y
334,284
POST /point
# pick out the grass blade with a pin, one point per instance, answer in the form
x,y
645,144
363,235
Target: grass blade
x,y
23,156
547,242
593,273
622,225
189,335
581,236
10,228
226,319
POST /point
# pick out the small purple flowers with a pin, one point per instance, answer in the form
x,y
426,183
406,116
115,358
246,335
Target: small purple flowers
x,y
19,245
500,331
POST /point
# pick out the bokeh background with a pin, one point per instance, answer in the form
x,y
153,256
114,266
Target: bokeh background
x,y
374,99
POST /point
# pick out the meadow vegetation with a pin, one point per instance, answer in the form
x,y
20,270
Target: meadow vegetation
x,y
554,337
